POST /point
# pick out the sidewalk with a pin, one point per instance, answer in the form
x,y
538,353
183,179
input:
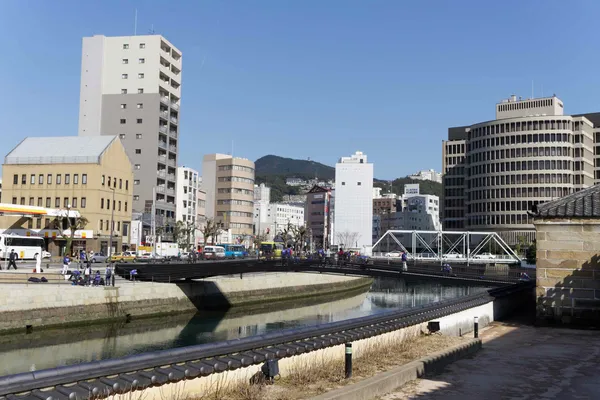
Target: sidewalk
x,y
518,362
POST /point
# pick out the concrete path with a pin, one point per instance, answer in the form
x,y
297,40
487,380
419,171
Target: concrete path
x,y
518,362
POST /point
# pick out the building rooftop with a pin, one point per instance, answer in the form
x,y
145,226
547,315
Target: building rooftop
x,y
583,204
60,150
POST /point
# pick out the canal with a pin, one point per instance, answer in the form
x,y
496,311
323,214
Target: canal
x,y
49,348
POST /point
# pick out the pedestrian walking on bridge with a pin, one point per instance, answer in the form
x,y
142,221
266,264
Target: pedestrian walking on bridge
x,y
12,258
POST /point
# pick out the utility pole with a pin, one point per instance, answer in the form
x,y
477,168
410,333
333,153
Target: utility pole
x,y
112,223
153,221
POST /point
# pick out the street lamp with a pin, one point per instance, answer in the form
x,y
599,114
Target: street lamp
x,y
112,223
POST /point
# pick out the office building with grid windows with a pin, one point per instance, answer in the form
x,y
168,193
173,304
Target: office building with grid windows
x,y
496,171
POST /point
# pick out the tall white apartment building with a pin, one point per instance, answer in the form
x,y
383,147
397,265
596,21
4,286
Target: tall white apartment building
x,y
131,87
427,175
187,195
354,201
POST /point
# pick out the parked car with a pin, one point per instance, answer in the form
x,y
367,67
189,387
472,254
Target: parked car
x,y
394,254
453,255
149,257
98,258
214,252
46,254
126,256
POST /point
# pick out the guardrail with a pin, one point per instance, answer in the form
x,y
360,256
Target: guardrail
x,y
137,372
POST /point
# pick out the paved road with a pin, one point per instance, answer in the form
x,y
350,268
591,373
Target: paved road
x,y
518,362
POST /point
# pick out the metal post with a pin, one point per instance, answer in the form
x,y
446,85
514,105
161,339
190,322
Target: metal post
x,y
476,328
348,361
112,222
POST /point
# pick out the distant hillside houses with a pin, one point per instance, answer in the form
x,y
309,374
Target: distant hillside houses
x,y
307,184
427,175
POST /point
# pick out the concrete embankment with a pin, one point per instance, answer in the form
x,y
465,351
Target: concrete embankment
x,y
44,305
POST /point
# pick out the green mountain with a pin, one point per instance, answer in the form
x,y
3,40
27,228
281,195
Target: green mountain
x,y
274,170
289,167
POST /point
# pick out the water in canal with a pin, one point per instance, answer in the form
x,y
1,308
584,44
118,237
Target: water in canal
x,y
56,347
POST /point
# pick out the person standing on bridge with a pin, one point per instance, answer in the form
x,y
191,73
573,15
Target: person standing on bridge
x,y
404,260
12,258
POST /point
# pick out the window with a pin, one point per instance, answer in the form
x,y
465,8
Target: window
x,y
100,224
343,183
40,202
38,223
57,202
14,200
140,106
83,202
139,120
67,179
127,185
125,46
136,181
121,136
140,76
119,205
135,197
108,204
123,106
15,179
30,224
124,76
75,179
84,179
101,203
138,135
140,91
109,181
142,45
106,224
137,166
123,121
23,179
58,179
66,202
123,91
49,179
32,179
125,61
120,183
119,226
126,204
48,202
41,179
31,201
359,183
103,180
141,60
138,151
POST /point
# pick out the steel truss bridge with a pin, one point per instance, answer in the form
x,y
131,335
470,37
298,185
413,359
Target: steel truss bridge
x,y
447,246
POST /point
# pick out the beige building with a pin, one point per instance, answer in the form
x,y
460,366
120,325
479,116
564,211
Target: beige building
x,y
229,186
568,264
92,175
496,171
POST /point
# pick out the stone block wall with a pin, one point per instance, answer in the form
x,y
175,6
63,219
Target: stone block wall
x,y
568,271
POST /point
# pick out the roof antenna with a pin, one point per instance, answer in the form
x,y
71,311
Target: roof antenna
x,y
532,89
135,24
151,31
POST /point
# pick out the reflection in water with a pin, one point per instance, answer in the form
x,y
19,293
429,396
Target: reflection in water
x,y
51,348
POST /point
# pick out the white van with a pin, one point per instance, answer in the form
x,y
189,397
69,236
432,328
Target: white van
x,y
214,252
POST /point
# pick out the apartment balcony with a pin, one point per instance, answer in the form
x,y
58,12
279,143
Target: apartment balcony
x,y
162,159
171,162
160,189
163,129
171,177
171,191
162,145
164,114
174,106
190,197
165,100
173,134
173,120
161,201
162,174
173,148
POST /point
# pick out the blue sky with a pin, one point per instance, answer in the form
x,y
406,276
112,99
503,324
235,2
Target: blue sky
x,y
311,78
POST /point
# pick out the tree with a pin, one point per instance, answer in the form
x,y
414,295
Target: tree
x,y
259,238
67,226
531,252
183,232
521,245
300,234
210,230
347,238
286,234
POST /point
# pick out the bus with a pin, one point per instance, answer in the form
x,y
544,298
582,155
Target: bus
x,y
234,250
272,248
26,247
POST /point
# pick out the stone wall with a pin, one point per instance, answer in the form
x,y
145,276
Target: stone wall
x,y
51,304
568,271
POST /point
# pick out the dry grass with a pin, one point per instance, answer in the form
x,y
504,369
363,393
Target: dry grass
x,y
306,379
